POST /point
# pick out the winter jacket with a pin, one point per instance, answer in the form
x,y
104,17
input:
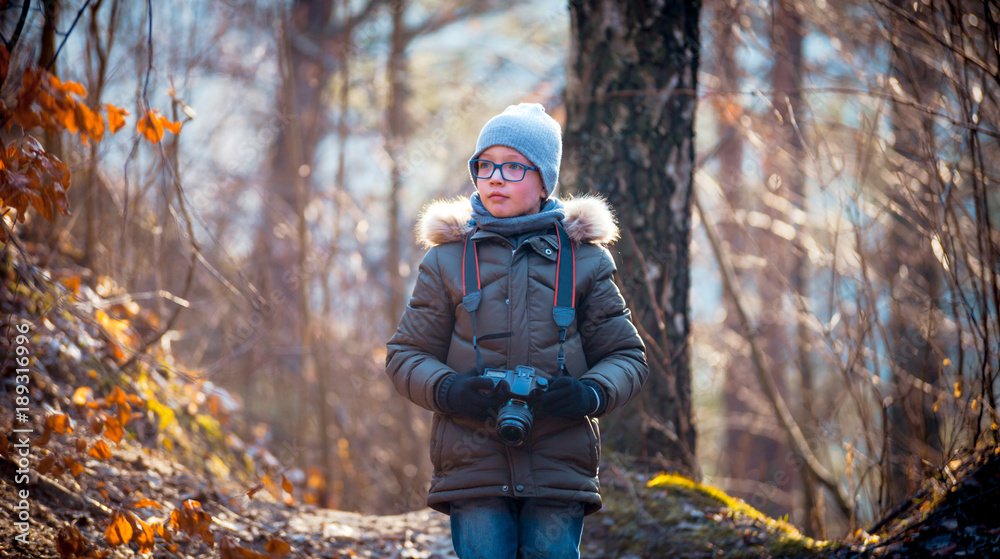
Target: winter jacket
x,y
434,339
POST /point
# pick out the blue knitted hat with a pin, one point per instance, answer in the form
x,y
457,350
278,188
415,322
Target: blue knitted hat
x,y
528,129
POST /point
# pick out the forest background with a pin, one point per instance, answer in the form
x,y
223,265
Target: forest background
x,y
833,284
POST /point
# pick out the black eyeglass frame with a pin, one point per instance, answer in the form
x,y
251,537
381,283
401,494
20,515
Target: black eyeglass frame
x,y
472,169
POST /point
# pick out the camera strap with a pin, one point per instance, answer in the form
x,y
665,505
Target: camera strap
x,y
563,304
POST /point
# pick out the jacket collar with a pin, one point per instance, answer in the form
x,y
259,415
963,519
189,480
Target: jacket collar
x,y
589,219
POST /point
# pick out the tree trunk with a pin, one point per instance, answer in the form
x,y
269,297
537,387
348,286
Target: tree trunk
x,y
398,128
749,446
787,78
912,270
40,229
630,99
395,140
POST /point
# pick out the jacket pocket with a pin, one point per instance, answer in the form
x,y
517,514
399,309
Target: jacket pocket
x,y
594,431
437,440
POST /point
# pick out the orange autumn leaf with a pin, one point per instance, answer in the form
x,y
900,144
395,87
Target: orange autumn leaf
x,y
142,503
162,531
229,550
67,87
153,124
59,423
73,284
286,485
150,127
113,430
145,535
174,127
117,395
124,413
277,549
91,124
192,520
119,531
116,117
253,491
100,451
75,467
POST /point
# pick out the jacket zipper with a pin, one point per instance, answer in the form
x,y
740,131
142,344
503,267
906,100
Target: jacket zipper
x,y
510,323
510,285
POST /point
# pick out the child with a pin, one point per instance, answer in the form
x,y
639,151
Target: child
x,y
488,297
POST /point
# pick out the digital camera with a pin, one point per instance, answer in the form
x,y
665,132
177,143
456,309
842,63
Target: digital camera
x,y
519,387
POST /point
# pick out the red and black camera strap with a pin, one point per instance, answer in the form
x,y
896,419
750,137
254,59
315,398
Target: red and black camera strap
x,y
564,301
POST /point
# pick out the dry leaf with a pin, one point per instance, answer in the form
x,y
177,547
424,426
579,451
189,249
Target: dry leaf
x,y
73,284
253,491
229,550
142,503
119,531
124,414
277,549
192,520
144,533
286,485
116,117
96,425
82,394
117,395
100,451
59,423
75,467
113,430
70,543
46,464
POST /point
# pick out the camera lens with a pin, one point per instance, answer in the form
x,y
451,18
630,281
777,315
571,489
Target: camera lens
x,y
513,422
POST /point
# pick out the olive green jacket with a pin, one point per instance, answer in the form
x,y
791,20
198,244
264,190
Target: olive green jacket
x,y
434,339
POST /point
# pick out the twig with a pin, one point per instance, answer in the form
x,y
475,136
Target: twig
x,y
48,67
20,26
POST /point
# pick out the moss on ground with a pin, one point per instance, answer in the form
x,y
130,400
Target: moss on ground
x,y
673,516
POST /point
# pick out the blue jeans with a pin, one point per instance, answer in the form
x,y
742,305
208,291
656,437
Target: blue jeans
x,y
506,528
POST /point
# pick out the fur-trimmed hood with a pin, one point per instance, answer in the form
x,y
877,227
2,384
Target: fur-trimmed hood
x,y
589,219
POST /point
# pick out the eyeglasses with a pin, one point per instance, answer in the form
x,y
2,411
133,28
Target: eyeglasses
x,y
510,171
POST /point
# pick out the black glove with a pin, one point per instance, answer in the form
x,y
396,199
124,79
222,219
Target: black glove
x,y
464,394
568,397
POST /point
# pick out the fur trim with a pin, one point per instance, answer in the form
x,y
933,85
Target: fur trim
x,y
589,219
444,221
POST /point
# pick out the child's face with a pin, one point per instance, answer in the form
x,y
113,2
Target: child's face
x,y
510,199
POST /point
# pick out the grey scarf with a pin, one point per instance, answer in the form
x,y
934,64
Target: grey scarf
x,y
550,213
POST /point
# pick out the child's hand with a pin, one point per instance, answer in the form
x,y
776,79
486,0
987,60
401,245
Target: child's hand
x,y
568,397
467,396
